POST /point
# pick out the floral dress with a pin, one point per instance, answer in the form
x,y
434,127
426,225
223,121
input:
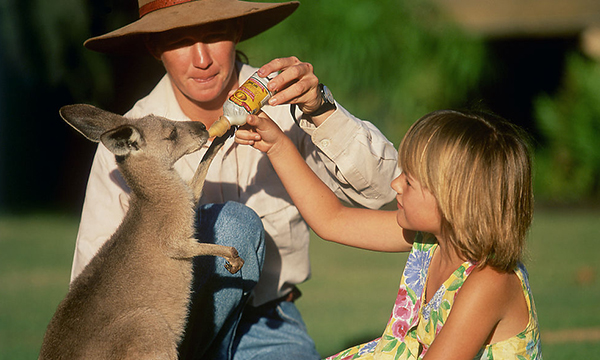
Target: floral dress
x,y
413,327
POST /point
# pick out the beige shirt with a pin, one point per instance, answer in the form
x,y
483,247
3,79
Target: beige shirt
x,y
351,156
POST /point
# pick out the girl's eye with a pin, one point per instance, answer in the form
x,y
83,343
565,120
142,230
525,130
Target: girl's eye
x,y
408,182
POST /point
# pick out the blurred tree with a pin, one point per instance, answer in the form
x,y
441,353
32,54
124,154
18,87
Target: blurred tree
x,y
44,66
568,165
388,61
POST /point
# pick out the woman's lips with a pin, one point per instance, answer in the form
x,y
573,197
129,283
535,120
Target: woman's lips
x,y
203,80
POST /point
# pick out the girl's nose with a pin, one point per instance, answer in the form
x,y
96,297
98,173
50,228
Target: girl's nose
x,y
201,55
396,184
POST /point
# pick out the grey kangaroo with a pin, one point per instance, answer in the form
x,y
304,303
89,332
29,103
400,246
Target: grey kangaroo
x,y
131,301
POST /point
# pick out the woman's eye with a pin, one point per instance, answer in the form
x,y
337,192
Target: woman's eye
x,y
175,42
215,37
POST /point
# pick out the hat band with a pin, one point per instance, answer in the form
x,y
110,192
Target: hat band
x,y
159,4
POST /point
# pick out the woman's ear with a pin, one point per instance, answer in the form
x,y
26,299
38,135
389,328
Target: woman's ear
x,y
239,29
152,46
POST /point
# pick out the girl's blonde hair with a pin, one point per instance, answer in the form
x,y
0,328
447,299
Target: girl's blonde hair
x,y
478,167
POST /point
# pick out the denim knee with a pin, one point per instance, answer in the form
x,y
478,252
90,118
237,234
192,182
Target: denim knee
x,y
234,224
238,216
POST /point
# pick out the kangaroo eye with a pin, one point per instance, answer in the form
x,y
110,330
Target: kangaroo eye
x,y
173,135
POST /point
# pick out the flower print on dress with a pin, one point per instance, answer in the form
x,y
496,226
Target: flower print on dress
x,y
434,303
404,312
415,272
368,347
525,275
401,311
400,328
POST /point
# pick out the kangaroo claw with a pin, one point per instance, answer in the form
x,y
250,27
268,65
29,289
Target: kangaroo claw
x,y
235,266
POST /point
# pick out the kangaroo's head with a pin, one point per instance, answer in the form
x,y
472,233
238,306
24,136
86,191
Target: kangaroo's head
x,y
151,136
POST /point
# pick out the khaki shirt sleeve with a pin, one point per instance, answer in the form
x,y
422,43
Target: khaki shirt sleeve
x,y
355,159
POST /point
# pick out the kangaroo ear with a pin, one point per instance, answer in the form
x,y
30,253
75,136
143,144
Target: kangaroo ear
x,y
90,120
122,140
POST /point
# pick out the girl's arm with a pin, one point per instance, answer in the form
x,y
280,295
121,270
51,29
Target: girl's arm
x,y
324,213
489,308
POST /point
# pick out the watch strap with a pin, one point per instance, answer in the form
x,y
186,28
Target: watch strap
x,y
328,102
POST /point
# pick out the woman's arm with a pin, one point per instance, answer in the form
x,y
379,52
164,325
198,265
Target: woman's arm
x,y
324,213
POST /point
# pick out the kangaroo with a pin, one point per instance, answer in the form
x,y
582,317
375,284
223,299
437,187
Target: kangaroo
x,y
131,300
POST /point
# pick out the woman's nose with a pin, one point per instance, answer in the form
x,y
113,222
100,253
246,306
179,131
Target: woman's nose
x,y
201,55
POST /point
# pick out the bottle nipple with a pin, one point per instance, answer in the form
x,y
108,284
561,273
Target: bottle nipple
x,y
219,127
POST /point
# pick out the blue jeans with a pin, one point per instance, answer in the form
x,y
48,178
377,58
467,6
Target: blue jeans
x,y
221,324
273,331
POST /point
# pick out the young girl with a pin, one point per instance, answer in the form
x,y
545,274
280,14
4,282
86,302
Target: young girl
x,y
465,204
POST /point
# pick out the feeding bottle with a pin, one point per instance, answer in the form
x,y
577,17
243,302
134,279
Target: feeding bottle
x,y
246,100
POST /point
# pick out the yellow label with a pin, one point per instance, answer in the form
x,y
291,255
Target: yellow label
x,y
251,95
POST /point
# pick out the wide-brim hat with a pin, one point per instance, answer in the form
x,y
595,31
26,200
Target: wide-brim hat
x,y
163,15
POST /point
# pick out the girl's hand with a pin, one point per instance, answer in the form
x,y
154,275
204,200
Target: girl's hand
x,y
295,84
260,132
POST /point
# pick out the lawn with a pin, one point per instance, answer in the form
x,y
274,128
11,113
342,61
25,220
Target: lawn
x,y
347,301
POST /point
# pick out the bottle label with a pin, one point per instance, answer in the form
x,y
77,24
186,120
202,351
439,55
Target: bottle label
x,y
252,95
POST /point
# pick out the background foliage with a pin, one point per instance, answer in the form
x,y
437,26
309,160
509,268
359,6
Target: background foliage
x,y
568,165
389,61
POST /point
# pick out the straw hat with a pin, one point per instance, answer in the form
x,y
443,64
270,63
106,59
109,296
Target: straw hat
x,y
162,15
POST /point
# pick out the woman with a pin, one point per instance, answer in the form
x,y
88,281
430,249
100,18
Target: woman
x,y
251,315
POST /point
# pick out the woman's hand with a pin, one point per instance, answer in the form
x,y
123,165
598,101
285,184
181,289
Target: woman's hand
x,y
295,84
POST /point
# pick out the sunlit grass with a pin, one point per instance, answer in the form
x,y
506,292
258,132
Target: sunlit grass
x,y
348,300
35,261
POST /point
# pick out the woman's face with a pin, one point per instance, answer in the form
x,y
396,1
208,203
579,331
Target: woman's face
x,y
417,207
200,61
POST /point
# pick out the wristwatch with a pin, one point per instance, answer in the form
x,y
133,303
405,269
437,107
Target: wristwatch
x,y
328,102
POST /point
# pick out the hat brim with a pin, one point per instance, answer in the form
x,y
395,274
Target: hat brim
x,y
257,17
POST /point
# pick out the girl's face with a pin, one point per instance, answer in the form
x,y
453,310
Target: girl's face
x,y
417,208
200,61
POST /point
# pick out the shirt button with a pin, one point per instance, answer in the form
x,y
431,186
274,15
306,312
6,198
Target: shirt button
x,y
325,143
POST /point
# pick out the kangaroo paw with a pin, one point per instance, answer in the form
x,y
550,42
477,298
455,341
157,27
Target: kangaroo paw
x,y
234,262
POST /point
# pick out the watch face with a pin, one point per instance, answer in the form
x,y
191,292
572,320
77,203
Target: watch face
x,y
327,95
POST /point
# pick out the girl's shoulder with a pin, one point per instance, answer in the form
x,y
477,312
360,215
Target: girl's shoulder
x,y
500,298
493,286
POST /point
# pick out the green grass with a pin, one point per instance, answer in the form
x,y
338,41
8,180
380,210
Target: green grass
x,y
35,260
348,300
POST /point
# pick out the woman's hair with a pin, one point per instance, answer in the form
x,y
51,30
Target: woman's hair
x,y
478,167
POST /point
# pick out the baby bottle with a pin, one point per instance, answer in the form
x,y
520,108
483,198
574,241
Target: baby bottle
x,y
246,100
